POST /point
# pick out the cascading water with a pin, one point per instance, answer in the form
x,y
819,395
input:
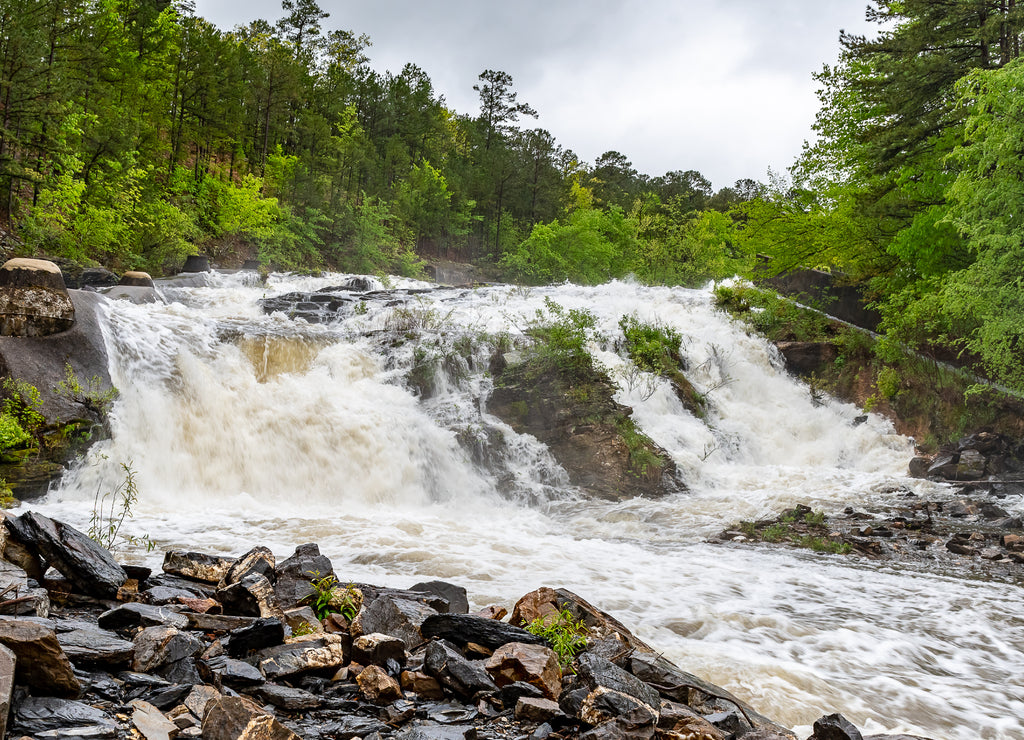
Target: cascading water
x,y
247,429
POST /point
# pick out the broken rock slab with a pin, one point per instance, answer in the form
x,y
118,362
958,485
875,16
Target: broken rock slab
x,y
90,567
41,662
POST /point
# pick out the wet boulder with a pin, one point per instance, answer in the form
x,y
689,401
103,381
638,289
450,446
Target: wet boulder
x,y
377,687
34,301
458,600
156,647
614,693
196,263
393,616
463,676
536,665
301,654
41,662
196,566
259,560
377,649
90,567
805,358
238,718
253,596
835,727
263,633
294,576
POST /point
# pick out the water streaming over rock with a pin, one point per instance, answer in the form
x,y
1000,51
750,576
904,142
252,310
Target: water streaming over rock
x,y
245,428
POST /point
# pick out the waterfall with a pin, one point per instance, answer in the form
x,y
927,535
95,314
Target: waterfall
x,y
245,428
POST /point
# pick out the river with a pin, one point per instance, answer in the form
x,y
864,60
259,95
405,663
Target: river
x,y
247,429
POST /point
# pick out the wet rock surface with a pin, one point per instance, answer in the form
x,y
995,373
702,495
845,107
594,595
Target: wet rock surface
x,y
970,532
104,669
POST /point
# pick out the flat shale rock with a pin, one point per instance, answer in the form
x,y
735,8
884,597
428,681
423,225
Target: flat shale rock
x,y
41,663
307,653
236,673
461,629
37,716
91,568
151,722
92,646
288,698
136,614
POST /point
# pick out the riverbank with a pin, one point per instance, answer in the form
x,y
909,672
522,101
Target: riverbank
x,y
249,647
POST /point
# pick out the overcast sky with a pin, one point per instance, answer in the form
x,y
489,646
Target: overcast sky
x,y
720,86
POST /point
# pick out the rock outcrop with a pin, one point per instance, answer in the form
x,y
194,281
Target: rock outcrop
x,y
590,435
163,670
34,301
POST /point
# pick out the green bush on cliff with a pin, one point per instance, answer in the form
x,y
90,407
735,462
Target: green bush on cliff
x,y
653,347
11,433
560,339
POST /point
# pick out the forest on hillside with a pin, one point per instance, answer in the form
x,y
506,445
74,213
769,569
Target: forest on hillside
x,y
133,132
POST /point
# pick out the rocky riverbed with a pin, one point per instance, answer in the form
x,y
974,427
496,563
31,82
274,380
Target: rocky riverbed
x,y
967,532
252,647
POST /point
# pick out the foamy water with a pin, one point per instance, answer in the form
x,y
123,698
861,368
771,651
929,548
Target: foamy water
x,y
248,429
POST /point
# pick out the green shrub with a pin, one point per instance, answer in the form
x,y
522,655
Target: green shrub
x,y
11,433
653,347
566,635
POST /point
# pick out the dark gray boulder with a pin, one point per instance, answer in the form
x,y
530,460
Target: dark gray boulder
x,y
91,568
295,574
458,600
461,629
835,727
463,676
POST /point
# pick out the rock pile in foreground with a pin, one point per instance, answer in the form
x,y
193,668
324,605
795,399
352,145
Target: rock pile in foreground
x,y
232,649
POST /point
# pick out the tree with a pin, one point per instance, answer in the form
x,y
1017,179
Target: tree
x,y
499,108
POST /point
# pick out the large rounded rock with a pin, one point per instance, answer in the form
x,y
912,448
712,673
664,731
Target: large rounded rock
x,y
137,279
33,299
197,263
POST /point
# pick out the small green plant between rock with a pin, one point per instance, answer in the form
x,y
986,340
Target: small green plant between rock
x,y
111,509
327,600
566,635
